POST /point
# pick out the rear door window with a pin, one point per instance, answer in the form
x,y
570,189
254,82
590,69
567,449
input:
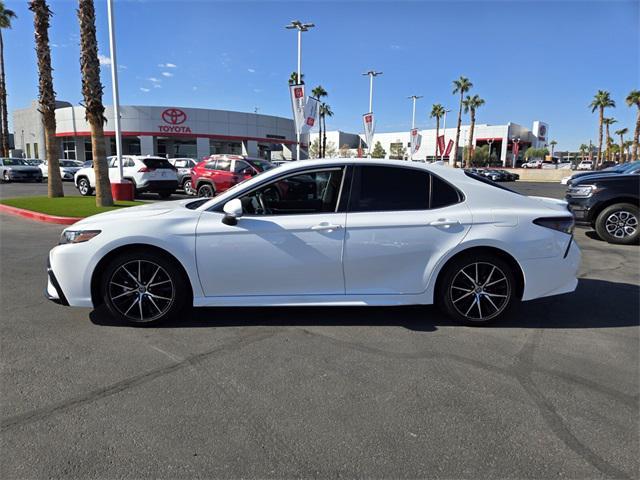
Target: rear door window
x,y
442,194
382,189
224,165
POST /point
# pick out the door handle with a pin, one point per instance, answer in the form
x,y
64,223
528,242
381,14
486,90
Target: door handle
x,y
326,226
444,222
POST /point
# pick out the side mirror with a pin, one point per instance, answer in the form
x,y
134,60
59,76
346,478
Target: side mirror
x,y
233,211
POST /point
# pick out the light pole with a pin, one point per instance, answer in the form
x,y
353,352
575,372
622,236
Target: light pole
x,y
300,27
114,86
516,141
444,136
371,74
413,120
490,143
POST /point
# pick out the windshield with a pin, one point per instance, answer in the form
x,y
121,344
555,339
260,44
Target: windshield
x,y
157,163
261,165
68,163
14,161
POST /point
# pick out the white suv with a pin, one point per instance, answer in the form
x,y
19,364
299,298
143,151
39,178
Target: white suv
x,y
147,173
585,165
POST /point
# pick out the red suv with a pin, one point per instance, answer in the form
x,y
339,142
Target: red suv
x,y
220,172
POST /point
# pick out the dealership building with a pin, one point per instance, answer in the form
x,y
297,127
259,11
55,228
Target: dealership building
x,y
499,138
166,131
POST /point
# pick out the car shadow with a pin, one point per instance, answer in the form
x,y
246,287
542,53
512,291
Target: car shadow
x,y
594,304
593,235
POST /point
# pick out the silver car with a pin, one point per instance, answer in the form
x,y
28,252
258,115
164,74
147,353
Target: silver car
x,y
18,170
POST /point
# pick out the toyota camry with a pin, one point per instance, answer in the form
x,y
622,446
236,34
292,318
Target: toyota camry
x,y
340,232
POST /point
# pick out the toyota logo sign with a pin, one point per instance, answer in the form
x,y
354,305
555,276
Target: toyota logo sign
x,y
174,116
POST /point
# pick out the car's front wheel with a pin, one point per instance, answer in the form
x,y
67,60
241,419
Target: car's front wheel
x,y
5,177
619,224
206,190
143,288
188,187
84,187
477,289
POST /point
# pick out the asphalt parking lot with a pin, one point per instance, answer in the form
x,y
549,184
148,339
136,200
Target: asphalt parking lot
x,y
320,392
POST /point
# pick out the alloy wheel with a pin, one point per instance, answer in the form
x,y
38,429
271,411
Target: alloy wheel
x,y
141,290
188,188
83,187
480,291
621,224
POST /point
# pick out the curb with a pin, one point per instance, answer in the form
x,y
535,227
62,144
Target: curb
x,y
37,216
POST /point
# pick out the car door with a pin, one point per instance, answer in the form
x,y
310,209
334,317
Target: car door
x,y
400,221
223,176
289,240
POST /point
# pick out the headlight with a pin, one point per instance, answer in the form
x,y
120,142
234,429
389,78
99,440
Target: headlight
x,y
582,191
77,236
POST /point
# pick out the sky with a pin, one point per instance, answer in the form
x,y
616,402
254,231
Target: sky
x,y
529,60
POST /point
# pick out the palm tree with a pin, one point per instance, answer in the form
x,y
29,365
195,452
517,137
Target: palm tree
x,y
607,123
325,111
601,100
553,144
634,99
319,92
6,16
461,86
471,104
621,133
92,93
583,148
46,94
627,147
437,112
293,78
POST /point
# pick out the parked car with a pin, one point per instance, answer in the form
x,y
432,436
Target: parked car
x,y
33,162
622,168
532,164
17,169
147,173
183,167
585,165
509,176
365,232
495,175
221,172
68,169
609,204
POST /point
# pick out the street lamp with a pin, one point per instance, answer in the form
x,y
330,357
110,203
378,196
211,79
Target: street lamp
x,y
444,136
490,143
300,27
516,140
371,74
413,120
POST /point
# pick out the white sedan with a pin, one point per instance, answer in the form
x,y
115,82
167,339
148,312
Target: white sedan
x,y
68,169
326,232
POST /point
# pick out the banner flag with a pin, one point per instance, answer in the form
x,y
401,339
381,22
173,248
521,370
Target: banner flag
x,y
441,143
310,114
516,149
297,105
415,140
449,148
369,126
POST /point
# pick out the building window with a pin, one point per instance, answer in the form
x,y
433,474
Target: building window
x,y
88,149
28,150
35,151
130,145
218,147
68,148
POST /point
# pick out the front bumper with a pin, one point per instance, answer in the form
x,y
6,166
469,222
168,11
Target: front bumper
x,y
24,177
581,209
53,291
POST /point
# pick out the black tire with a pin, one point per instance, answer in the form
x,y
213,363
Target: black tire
x,y
187,187
471,303
619,224
120,291
5,177
206,190
84,187
165,194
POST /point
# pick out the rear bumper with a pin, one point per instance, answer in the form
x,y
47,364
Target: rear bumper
x,y
545,277
157,186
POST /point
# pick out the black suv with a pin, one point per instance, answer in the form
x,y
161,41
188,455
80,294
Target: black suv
x,y
609,203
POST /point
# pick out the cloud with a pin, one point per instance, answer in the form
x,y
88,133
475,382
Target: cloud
x,y
167,65
251,70
54,45
104,60
194,88
257,90
144,89
157,85
154,80
167,74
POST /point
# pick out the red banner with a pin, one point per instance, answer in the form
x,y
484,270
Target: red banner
x,y
449,148
516,149
441,143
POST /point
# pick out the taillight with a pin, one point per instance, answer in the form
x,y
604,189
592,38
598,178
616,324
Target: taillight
x,y
561,224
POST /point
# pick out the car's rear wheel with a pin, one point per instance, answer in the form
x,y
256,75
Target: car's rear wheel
x,y
84,187
143,288
619,224
206,190
477,289
188,187
5,177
